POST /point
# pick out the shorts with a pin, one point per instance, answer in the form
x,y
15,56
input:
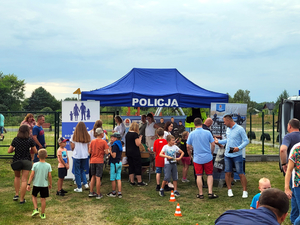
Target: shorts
x,y
170,169
1,130
62,172
44,191
237,161
115,171
96,169
22,165
159,169
207,167
186,160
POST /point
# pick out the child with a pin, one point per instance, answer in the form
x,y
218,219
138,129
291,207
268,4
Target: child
x,y
98,148
63,165
264,183
186,159
42,179
115,164
159,161
169,153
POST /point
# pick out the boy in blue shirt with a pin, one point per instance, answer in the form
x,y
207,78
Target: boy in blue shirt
x,y
42,182
264,183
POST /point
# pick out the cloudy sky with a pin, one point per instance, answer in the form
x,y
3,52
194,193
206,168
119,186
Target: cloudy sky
x,y
221,45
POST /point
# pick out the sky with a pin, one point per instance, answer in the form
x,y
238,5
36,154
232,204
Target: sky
x,y
221,45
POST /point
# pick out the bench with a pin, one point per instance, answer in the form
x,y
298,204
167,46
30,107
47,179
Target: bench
x,y
47,125
144,155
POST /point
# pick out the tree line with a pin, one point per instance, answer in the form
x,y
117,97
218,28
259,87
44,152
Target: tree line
x,y
12,98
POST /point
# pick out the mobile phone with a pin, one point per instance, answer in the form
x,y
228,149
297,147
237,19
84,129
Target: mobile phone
x,y
231,150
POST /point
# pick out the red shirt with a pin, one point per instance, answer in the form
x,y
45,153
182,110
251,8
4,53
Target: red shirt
x,y
157,147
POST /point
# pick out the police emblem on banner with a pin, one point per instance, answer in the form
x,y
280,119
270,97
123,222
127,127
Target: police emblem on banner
x,y
220,107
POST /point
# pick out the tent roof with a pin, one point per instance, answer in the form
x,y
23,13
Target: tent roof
x,y
154,88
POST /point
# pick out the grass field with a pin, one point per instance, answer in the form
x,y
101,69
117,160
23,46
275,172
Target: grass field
x,y
139,205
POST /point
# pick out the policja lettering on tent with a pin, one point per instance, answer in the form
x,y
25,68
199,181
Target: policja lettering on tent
x,y
154,102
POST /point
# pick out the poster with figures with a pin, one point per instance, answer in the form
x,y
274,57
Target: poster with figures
x,y
74,112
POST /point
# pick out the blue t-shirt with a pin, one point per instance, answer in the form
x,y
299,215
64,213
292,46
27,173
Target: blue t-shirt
x,y
1,120
255,200
235,137
201,139
39,132
260,216
117,148
290,140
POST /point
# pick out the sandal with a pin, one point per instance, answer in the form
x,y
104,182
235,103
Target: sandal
x,y
211,196
200,196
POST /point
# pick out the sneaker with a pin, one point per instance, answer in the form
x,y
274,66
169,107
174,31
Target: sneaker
x,y
23,202
16,198
99,196
63,191
111,194
35,212
142,184
161,193
43,216
60,193
78,189
86,186
120,195
157,187
132,184
185,180
176,193
245,194
93,194
230,194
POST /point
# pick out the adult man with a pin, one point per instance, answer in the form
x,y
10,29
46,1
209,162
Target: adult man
x,y
1,126
181,128
143,125
161,123
272,209
175,125
207,123
38,135
235,142
202,143
289,140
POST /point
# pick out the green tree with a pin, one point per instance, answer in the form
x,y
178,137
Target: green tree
x,y
71,99
243,96
11,92
283,95
40,98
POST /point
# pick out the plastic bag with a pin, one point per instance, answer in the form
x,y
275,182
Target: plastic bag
x,y
219,161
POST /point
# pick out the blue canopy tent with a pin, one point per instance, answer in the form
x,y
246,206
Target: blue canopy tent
x,y
154,88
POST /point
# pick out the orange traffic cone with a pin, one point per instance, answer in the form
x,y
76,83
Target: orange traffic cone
x,y
178,212
172,197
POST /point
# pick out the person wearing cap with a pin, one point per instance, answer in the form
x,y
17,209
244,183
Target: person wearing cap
x,y
97,149
116,150
236,141
272,208
63,165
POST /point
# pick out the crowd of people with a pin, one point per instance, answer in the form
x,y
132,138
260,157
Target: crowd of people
x,y
94,146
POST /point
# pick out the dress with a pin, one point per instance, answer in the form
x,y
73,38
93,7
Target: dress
x,y
260,216
133,153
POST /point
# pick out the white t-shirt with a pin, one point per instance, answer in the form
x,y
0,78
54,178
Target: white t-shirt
x,y
91,133
150,130
170,151
81,150
121,130
166,133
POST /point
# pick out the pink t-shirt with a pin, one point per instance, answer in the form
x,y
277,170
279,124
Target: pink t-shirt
x,y
64,154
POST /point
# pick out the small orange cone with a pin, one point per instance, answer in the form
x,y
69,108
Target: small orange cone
x,y
172,197
178,212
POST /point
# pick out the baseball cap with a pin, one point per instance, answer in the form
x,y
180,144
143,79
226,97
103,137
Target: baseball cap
x,y
62,139
116,134
99,131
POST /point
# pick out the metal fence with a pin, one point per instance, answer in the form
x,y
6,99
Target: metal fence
x,y
14,119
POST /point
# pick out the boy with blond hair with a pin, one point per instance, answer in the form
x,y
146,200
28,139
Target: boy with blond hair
x,y
63,165
98,148
42,182
263,184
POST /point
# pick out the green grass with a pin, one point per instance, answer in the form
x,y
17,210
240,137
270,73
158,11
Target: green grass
x,y
140,205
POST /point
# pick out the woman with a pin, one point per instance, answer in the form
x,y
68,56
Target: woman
x,y
30,122
150,130
98,124
120,127
133,141
21,145
168,129
80,145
